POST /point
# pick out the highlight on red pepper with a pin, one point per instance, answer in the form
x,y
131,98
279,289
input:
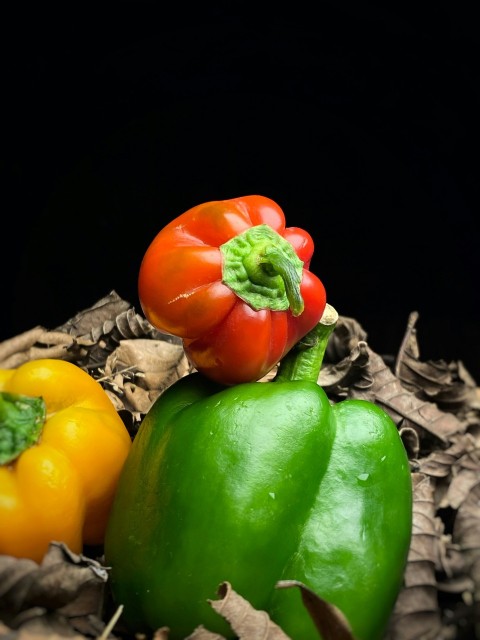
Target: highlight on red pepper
x,y
233,282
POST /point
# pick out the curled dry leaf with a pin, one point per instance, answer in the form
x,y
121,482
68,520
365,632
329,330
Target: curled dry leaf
x,y
137,372
465,476
411,442
200,633
449,385
364,374
42,625
417,612
328,619
245,621
34,344
336,379
65,590
348,334
161,634
98,319
403,406
466,534
456,470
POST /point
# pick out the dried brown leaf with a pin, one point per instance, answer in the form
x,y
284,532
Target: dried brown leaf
x,y
40,624
439,463
362,373
247,622
466,474
200,633
449,385
328,619
35,344
18,344
411,442
466,533
139,370
72,585
346,337
457,469
417,612
403,406
101,314
336,378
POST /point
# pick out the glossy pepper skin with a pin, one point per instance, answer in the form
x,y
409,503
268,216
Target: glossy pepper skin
x,y
231,280
256,483
61,480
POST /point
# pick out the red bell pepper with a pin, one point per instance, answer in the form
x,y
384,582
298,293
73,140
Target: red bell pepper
x,y
233,283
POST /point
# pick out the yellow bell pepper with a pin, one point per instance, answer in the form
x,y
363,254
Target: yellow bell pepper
x,y
62,447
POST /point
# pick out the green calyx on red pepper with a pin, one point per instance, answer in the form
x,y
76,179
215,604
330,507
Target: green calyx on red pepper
x,y
256,483
263,269
231,280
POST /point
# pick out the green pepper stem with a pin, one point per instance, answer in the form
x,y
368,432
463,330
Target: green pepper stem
x,y
304,360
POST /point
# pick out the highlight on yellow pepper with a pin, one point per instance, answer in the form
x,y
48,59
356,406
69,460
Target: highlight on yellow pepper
x,y
62,447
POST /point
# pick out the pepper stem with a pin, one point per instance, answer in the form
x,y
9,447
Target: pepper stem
x,y
21,422
304,360
262,268
275,261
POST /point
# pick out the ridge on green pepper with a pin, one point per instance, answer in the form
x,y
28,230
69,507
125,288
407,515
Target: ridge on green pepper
x,y
256,483
233,282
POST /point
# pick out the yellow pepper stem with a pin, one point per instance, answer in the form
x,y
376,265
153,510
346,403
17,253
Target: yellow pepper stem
x,y
21,422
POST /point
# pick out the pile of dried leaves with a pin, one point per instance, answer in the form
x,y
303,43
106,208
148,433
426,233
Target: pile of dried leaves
x,y
436,406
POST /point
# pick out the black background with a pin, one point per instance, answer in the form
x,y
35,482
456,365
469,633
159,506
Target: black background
x,y
360,122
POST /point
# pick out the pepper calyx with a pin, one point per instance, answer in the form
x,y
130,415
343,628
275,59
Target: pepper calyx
x,y
21,422
262,268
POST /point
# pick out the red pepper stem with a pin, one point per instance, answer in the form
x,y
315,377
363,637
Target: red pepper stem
x,y
262,268
304,360
275,262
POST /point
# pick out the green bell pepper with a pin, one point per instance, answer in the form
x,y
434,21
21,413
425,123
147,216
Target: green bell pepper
x,y
256,483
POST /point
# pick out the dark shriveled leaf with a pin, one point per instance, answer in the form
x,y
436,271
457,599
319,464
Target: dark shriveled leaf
x,y
69,585
466,534
417,611
40,624
248,623
139,370
402,405
200,633
348,334
448,384
328,619
336,378
456,469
